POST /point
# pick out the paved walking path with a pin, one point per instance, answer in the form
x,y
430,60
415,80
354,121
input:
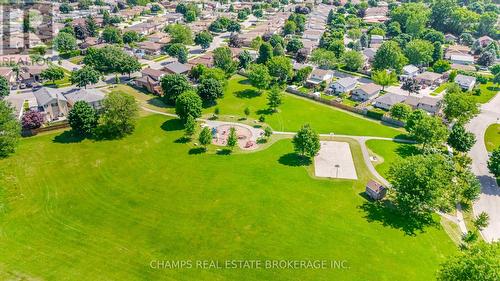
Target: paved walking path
x,y
489,200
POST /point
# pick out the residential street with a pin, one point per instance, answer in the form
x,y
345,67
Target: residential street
x,y
489,200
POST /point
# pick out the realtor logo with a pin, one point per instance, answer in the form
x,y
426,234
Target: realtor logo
x,y
25,25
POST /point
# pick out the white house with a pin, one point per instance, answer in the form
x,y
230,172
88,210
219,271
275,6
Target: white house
x,y
409,71
92,97
465,82
366,92
51,103
343,85
388,100
462,59
319,75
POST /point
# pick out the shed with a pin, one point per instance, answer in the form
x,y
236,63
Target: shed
x,y
375,190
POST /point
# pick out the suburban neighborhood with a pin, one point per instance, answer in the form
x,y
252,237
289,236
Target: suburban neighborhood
x,y
250,140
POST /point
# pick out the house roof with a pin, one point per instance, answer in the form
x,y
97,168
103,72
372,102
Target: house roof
x,y
177,67
321,72
375,186
410,68
465,79
346,82
150,46
370,88
153,73
44,96
87,95
429,101
412,101
390,99
430,76
463,57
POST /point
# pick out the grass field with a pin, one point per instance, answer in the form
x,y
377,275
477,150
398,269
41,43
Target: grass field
x,y
388,152
86,210
492,137
295,111
488,91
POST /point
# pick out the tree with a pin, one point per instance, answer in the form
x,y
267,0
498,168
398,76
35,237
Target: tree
x,y
4,87
259,76
32,120
487,23
294,46
209,90
466,39
278,50
235,41
486,58
81,32
203,39
411,85
494,162
265,53
302,55
65,8
205,137
306,142
441,66
188,104
232,138
353,60
281,68
189,127
119,114
10,128
460,139
246,112
441,13
401,111
384,78
173,85
429,131
274,99
82,118
323,58
245,58
302,74
84,76
128,65
481,221
363,40
290,27
180,34
131,36
419,52
112,35
64,42
389,56
110,59
91,26
52,73
179,51
459,106
223,59
479,261
233,27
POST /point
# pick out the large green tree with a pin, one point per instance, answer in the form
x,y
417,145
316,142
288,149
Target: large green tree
x,y
10,128
82,118
389,56
4,87
112,35
188,104
173,85
427,130
460,139
419,52
306,141
85,76
459,106
203,39
384,78
210,90
259,76
180,33
494,162
64,42
281,68
52,73
353,60
223,59
119,114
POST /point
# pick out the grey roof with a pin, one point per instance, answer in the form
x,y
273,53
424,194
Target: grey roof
x,y
87,95
465,79
44,96
430,101
177,67
390,99
346,82
410,68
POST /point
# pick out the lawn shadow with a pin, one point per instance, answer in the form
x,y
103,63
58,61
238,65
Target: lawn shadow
x,y
493,88
68,137
172,125
386,213
294,160
158,102
183,139
406,150
225,151
197,150
265,111
244,82
247,94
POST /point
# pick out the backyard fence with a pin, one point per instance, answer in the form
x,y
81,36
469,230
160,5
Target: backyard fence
x,y
34,132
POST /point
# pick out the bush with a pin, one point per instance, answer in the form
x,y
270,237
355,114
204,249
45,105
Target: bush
x,y
374,114
32,120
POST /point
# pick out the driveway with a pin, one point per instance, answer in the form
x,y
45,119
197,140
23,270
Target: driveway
x,y
489,200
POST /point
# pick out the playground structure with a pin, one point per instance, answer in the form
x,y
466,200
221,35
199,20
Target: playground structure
x,y
246,139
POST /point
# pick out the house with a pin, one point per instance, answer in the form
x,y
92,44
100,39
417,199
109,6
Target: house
x,y
177,68
159,37
376,39
369,54
464,59
409,71
456,50
53,105
376,14
485,40
366,92
388,100
318,76
450,37
89,42
150,48
431,105
343,85
465,82
206,59
92,97
429,78
150,80
375,190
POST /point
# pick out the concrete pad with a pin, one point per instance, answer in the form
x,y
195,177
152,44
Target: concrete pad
x,y
334,160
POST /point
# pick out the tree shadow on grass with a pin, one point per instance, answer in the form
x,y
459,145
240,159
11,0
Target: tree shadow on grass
x,y
183,139
386,213
68,137
294,160
244,82
247,94
225,151
493,88
197,150
264,111
172,125
406,150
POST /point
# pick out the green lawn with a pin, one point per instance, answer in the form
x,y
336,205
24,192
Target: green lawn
x,y
295,111
492,137
388,152
86,210
488,91
440,89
